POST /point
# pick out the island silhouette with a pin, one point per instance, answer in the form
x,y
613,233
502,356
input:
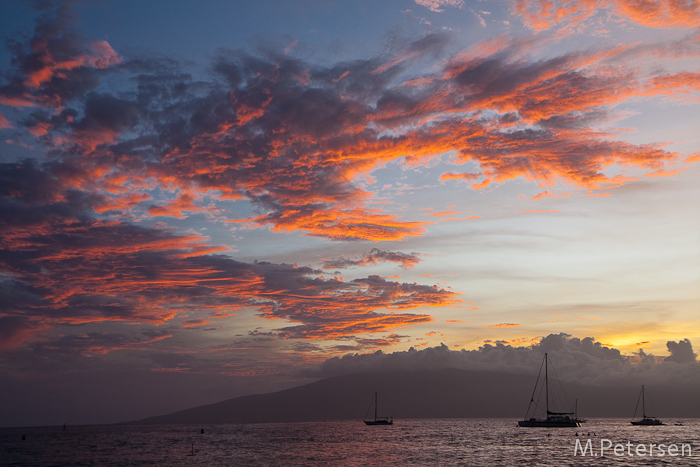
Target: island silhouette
x,y
442,393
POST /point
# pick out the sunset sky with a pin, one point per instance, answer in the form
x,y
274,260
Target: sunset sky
x,y
205,200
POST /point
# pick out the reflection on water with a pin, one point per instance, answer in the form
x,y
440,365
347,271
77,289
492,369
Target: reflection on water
x,y
444,442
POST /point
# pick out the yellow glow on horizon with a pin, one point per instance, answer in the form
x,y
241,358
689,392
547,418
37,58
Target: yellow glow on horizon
x,y
652,338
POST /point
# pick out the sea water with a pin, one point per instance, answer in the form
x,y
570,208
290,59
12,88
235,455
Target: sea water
x,y
425,442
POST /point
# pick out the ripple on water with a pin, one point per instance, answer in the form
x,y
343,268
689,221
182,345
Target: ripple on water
x,y
444,442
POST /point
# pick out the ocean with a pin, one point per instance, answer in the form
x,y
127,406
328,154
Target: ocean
x,y
417,442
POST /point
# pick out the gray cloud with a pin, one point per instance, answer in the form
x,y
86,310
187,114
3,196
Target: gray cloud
x,y
681,352
406,260
575,360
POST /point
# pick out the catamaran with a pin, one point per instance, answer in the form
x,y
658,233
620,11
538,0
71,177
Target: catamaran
x,y
553,419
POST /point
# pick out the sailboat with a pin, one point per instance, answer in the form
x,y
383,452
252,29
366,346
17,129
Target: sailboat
x,y
646,419
553,419
377,420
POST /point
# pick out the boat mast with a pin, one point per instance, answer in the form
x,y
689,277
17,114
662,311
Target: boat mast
x,y
375,406
644,407
546,381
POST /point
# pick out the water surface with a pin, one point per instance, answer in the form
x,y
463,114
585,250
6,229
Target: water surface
x,y
425,442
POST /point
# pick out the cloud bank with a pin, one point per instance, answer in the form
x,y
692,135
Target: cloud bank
x,y
575,360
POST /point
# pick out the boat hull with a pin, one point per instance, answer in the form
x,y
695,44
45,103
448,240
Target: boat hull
x,y
379,422
648,422
548,423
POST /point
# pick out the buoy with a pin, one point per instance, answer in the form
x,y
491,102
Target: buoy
x,y
24,437
202,430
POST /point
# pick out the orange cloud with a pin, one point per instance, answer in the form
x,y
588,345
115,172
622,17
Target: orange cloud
x,y
99,55
663,173
660,13
502,325
4,123
99,270
195,322
546,14
184,202
121,202
540,15
521,341
444,213
51,60
547,194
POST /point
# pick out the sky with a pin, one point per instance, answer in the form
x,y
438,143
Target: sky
x,y
203,201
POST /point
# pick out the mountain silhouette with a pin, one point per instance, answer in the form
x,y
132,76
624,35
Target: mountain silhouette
x,y
443,393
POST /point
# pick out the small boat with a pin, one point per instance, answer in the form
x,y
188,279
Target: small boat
x,y
646,420
552,419
377,420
